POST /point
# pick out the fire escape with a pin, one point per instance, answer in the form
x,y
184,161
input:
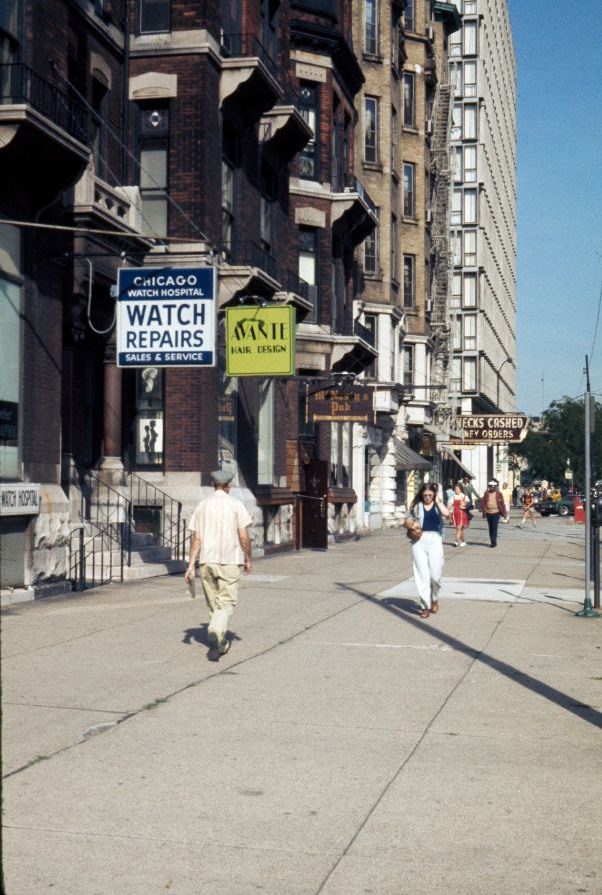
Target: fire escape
x,y
440,252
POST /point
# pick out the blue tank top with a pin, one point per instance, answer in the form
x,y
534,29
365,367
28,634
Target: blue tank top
x,y
430,521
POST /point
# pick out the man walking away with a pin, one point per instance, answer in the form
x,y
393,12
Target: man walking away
x,y
219,535
494,509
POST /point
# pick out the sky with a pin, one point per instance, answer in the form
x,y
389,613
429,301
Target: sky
x,y
559,199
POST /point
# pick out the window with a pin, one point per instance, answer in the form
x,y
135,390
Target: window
x,y
227,205
456,207
371,27
455,70
265,433
340,455
456,163
456,125
153,145
269,193
469,34
371,337
470,79
469,290
470,248
407,365
470,7
153,16
456,247
393,138
409,16
469,131
470,164
455,44
456,291
308,267
150,419
394,272
409,197
469,383
456,333
470,332
308,157
371,129
371,250
409,281
99,125
470,207
455,383
409,99
10,350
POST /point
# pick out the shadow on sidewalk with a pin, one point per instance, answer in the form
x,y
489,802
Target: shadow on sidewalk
x,y
405,609
199,635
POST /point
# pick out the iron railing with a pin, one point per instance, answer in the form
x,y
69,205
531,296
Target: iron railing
x,y
249,253
171,532
244,45
20,84
101,536
101,543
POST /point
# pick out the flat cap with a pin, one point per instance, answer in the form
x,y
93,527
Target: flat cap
x,y
222,476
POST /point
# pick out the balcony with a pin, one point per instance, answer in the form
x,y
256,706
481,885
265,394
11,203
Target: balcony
x,y
105,206
351,354
300,294
246,269
248,84
353,211
44,133
283,129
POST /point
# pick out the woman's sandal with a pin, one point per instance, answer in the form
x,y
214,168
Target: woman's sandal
x,y
424,613
435,606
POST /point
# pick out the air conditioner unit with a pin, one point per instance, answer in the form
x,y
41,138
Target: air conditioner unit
x,y
430,33
428,216
429,127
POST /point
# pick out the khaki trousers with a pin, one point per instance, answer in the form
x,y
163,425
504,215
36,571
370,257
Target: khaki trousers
x,y
220,583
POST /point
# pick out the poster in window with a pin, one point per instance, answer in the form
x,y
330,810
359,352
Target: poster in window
x,y
149,448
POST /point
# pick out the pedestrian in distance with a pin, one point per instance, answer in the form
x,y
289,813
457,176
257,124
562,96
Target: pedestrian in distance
x,y
457,507
449,493
472,495
528,508
506,492
428,513
219,538
494,509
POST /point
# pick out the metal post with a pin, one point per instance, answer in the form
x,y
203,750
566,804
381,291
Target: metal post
x,y
588,611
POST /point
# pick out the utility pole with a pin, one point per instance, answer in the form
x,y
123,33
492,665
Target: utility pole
x,y
588,611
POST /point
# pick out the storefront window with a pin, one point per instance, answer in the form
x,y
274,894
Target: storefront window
x,y
10,350
149,417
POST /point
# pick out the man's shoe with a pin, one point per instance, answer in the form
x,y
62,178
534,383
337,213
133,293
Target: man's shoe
x,y
225,646
214,647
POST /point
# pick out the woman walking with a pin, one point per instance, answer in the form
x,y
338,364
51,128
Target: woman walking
x,y
528,508
459,513
428,512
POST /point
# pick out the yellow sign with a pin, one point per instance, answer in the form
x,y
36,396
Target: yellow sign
x,y
260,341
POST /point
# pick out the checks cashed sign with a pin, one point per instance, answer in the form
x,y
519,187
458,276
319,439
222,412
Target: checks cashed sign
x,y
166,317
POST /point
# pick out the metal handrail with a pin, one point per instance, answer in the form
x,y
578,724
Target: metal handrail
x,y
247,252
244,45
107,517
173,527
20,84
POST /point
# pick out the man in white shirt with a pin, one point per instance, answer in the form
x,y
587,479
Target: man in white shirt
x,y
219,535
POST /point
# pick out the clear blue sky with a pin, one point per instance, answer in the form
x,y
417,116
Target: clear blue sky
x,y
559,197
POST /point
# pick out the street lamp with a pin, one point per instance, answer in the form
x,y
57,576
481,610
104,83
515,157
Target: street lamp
x,y
507,361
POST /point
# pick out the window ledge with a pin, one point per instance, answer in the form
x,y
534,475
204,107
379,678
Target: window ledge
x,y
373,57
407,220
410,129
372,166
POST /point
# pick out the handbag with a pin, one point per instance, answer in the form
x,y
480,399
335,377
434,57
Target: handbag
x,y
413,531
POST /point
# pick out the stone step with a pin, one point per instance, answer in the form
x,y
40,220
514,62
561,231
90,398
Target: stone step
x,y
139,571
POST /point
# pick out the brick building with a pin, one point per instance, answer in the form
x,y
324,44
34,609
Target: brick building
x,y
172,135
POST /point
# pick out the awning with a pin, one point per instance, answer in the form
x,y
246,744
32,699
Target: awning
x,y
406,458
447,455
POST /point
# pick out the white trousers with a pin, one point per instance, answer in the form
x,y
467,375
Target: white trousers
x,y
427,554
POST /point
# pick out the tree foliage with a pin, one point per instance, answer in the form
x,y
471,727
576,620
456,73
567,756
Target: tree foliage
x,y
561,436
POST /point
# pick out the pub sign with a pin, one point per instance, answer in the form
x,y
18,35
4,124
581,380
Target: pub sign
x,y
340,404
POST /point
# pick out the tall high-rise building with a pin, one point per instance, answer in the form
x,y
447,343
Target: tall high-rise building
x,y
483,222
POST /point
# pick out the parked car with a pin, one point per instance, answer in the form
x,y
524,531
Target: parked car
x,y
563,507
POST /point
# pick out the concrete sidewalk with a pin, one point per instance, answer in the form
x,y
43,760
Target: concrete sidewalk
x,y
343,746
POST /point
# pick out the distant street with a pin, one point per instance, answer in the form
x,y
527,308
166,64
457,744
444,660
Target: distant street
x,y
343,746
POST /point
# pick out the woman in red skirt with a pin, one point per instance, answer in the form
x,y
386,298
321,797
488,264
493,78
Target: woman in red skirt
x,y
459,514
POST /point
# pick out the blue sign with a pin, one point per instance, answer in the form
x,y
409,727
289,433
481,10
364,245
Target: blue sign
x,y
166,317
